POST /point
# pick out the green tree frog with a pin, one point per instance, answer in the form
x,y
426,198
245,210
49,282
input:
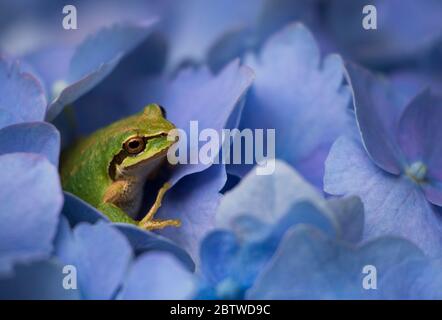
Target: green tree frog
x,y
109,168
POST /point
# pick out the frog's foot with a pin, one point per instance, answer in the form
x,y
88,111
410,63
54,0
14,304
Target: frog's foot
x,y
148,221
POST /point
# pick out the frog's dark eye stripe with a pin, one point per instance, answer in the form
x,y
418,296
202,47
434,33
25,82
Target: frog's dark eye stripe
x,y
163,111
134,145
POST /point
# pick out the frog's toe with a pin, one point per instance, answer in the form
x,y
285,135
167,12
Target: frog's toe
x,y
159,224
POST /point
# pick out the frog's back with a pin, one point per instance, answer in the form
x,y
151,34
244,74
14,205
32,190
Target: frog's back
x,y
83,171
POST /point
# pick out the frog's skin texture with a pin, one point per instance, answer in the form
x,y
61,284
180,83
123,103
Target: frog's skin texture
x,y
109,171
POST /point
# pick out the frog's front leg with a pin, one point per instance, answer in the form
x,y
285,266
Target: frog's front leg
x,y
149,223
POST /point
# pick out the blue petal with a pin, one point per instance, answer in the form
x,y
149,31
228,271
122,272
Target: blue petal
x,y
64,245
393,205
377,112
305,103
30,202
267,197
415,279
22,97
38,281
194,200
308,265
95,58
158,276
218,251
76,210
304,212
144,241
398,21
36,137
349,214
419,136
101,255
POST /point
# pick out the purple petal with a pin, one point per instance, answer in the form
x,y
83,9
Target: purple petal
x,y
377,112
22,97
30,203
197,95
412,82
76,210
95,58
299,96
267,197
158,276
194,200
419,135
205,22
393,205
51,64
398,21
144,241
33,137
101,255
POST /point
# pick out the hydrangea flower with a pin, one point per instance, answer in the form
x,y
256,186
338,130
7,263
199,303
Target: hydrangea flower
x,y
299,95
292,244
91,249
273,236
396,169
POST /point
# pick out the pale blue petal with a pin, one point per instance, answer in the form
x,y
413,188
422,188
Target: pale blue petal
x,y
415,279
30,203
101,256
158,276
349,214
218,252
144,241
76,210
194,200
34,137
267,197
95,58
393,205
308,265
299,95
22,97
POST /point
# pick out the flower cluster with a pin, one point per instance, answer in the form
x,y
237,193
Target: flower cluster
x,y
357,116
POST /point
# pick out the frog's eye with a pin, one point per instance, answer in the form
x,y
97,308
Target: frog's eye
x,y
134,145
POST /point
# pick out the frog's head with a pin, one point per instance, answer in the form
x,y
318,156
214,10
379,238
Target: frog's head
x,y
144,142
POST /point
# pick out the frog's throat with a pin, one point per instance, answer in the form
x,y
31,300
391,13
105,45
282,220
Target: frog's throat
x,y
154,161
